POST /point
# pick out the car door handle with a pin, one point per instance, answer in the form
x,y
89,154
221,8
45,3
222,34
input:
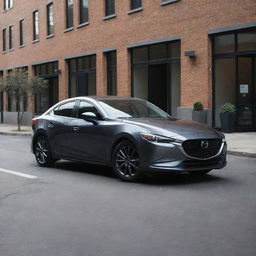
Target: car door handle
x,y
50,125
76,128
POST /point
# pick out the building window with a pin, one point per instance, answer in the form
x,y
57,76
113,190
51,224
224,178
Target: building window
x,y
84,11
69,14
136,4
111,73
109,7
4,39
13,103
35,25
82,79
158,64
10,37
21,32
50,19
234,67
8,4
49,95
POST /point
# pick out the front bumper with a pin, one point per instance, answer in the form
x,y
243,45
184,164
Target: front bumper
x,y
172,159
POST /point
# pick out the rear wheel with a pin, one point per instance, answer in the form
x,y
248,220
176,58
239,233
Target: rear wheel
x,y
125,161
43,151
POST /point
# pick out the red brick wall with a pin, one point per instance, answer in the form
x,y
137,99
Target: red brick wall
x,y
189,19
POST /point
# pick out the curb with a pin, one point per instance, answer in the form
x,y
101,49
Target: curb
x,y
15,134
242,154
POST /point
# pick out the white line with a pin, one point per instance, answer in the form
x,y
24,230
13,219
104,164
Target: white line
x,y
18,174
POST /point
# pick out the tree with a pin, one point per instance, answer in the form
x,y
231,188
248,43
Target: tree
x,y
18,85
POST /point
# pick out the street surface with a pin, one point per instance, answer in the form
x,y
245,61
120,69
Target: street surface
x,y
74,209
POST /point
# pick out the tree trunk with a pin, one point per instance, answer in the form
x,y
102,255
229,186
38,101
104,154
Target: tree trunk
x,y
18,114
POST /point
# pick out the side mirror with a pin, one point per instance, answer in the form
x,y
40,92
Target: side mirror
x,y
89,117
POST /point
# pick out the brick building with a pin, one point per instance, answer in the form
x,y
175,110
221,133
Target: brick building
x,y
171,52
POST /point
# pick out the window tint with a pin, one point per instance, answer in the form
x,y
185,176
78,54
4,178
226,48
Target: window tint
x,y
66,109
87,107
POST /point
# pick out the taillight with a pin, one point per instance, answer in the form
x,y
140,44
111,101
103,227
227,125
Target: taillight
x,y
33,122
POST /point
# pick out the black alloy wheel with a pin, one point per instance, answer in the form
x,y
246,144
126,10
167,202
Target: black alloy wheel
x,y
43,152
125,161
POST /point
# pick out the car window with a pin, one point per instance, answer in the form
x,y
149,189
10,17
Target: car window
x,y
87,107
66,109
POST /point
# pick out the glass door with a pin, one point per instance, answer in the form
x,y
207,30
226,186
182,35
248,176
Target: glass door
x,y
246,94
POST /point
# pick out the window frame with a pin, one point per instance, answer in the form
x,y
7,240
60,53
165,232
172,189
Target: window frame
x,y
74,111
36,25
4,34
11,44
49,13
132,5
107,5
82,18
69,19
21,32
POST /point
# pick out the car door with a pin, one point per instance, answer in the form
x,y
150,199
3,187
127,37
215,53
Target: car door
x,y
89,140
60,129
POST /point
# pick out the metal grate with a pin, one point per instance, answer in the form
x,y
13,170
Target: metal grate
x,y
202,148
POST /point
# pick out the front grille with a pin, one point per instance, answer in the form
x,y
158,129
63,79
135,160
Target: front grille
x,y
202,148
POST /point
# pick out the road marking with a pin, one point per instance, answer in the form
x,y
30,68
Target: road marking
x,y
24,175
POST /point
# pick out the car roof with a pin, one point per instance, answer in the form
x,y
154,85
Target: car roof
x,y
99,98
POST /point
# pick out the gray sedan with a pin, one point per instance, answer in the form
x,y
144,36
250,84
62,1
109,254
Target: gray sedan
x,y
131,135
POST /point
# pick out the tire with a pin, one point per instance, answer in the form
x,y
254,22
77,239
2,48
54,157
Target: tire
x,y
199,172
42,152
125,161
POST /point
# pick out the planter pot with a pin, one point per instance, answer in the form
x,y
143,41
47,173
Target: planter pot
x,y
227,120
199,116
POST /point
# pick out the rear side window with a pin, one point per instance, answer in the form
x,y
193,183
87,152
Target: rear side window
x,y
66,109
87,107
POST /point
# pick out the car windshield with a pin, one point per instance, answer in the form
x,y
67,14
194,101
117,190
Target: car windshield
x,y
127,108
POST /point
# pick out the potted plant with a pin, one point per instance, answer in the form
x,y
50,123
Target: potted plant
x,y
198,113
227,117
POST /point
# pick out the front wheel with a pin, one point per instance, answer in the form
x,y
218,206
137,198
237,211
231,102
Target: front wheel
x,y
125,161
42,151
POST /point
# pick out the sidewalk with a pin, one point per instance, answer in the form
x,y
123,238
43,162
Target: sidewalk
x,y
10,129
241,144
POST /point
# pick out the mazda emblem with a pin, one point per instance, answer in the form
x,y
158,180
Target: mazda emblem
x,y
204,144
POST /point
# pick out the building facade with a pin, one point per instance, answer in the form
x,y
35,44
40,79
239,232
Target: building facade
x,y
170,52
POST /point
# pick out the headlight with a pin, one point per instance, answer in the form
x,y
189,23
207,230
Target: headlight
x,y
158,138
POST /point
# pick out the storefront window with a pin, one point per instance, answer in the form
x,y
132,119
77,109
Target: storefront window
x,y
156,75
48,96
247,41
225,43
82,79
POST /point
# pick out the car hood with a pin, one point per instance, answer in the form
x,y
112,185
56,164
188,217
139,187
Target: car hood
x,y
179,129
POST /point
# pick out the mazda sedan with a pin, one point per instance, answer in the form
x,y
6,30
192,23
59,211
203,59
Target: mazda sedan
x,y
132,135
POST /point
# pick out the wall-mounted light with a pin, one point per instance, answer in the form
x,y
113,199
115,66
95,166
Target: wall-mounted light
x,y
56,71
190,54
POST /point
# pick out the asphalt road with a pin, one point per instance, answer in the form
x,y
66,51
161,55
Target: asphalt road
x,y
77,209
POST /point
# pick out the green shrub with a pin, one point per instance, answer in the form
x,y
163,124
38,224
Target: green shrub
x,y
198,106
227,107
